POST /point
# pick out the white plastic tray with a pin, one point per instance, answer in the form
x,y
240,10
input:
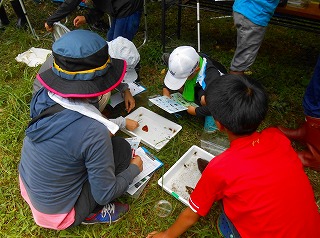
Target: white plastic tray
x,y
160,129
184,173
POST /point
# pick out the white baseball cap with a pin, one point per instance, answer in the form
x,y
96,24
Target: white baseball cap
x,y
183,61
122,48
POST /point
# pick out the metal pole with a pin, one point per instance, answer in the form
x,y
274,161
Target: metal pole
x,y
198,24
145,24
25,14
163,26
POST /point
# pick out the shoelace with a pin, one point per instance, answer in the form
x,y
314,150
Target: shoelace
x,y
107,210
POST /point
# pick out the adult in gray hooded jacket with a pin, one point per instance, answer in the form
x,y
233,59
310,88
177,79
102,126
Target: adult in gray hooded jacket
x,y
72,169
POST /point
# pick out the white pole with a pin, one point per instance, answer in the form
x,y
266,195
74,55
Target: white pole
x,y
198,24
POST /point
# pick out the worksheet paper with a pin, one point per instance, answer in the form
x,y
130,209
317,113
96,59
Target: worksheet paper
x,y
134,89
150,164
172,105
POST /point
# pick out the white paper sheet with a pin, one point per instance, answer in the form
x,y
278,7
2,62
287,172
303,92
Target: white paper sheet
x,y
172,105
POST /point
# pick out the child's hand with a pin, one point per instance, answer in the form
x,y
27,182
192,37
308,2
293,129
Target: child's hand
x,y
129,101
79,20
156,234
137,161
166,92
131,124
48,28
191,110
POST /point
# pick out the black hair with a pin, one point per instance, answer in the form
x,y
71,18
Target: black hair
x,y
238,102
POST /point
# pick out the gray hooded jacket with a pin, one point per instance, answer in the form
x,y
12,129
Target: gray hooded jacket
x,y
61,152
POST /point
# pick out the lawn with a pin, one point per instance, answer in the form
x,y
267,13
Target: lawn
x,y
284,66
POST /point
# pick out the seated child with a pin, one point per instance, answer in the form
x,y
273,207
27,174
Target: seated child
x,y
187,71
260,181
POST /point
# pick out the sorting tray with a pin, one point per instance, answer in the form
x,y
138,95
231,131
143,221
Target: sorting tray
x,y
184,173
159,129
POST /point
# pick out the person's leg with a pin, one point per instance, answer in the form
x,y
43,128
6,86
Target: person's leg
x,y
22,20
311,98
310,158
133,25
309,132
86,205
126,27
4,20
249,39
311,106
121,153
110,33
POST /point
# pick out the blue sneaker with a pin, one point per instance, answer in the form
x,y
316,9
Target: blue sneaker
x,y
111,212
209,124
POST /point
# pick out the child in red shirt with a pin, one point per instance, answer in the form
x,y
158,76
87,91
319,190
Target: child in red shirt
x,y
259,179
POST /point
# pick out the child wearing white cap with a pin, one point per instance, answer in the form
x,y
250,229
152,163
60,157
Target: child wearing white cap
x,y
122,48
187,73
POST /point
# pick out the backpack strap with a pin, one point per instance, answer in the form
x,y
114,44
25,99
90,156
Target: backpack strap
x,y
48,112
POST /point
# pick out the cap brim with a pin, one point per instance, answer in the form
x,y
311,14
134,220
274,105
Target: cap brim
x,y
85,88
172,82
130,76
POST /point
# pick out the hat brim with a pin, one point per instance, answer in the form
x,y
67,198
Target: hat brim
x,y
85,88
173,83
130,76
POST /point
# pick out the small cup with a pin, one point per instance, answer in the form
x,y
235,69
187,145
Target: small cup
x,y
163,208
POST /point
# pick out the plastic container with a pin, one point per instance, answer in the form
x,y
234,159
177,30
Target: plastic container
x,y
184,174
154,130
163,208
215,143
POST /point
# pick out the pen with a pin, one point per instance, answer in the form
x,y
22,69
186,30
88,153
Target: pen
x,y
133,153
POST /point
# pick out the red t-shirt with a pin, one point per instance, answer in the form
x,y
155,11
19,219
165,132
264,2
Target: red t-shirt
x,y
263,186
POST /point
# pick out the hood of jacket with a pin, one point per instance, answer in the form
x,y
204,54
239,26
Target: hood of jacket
x,y
48,127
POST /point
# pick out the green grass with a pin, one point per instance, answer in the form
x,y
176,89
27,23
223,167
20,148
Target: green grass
x,y
284,66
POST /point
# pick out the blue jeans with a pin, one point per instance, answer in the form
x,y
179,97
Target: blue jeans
x,y
126,27
311,98
229,230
